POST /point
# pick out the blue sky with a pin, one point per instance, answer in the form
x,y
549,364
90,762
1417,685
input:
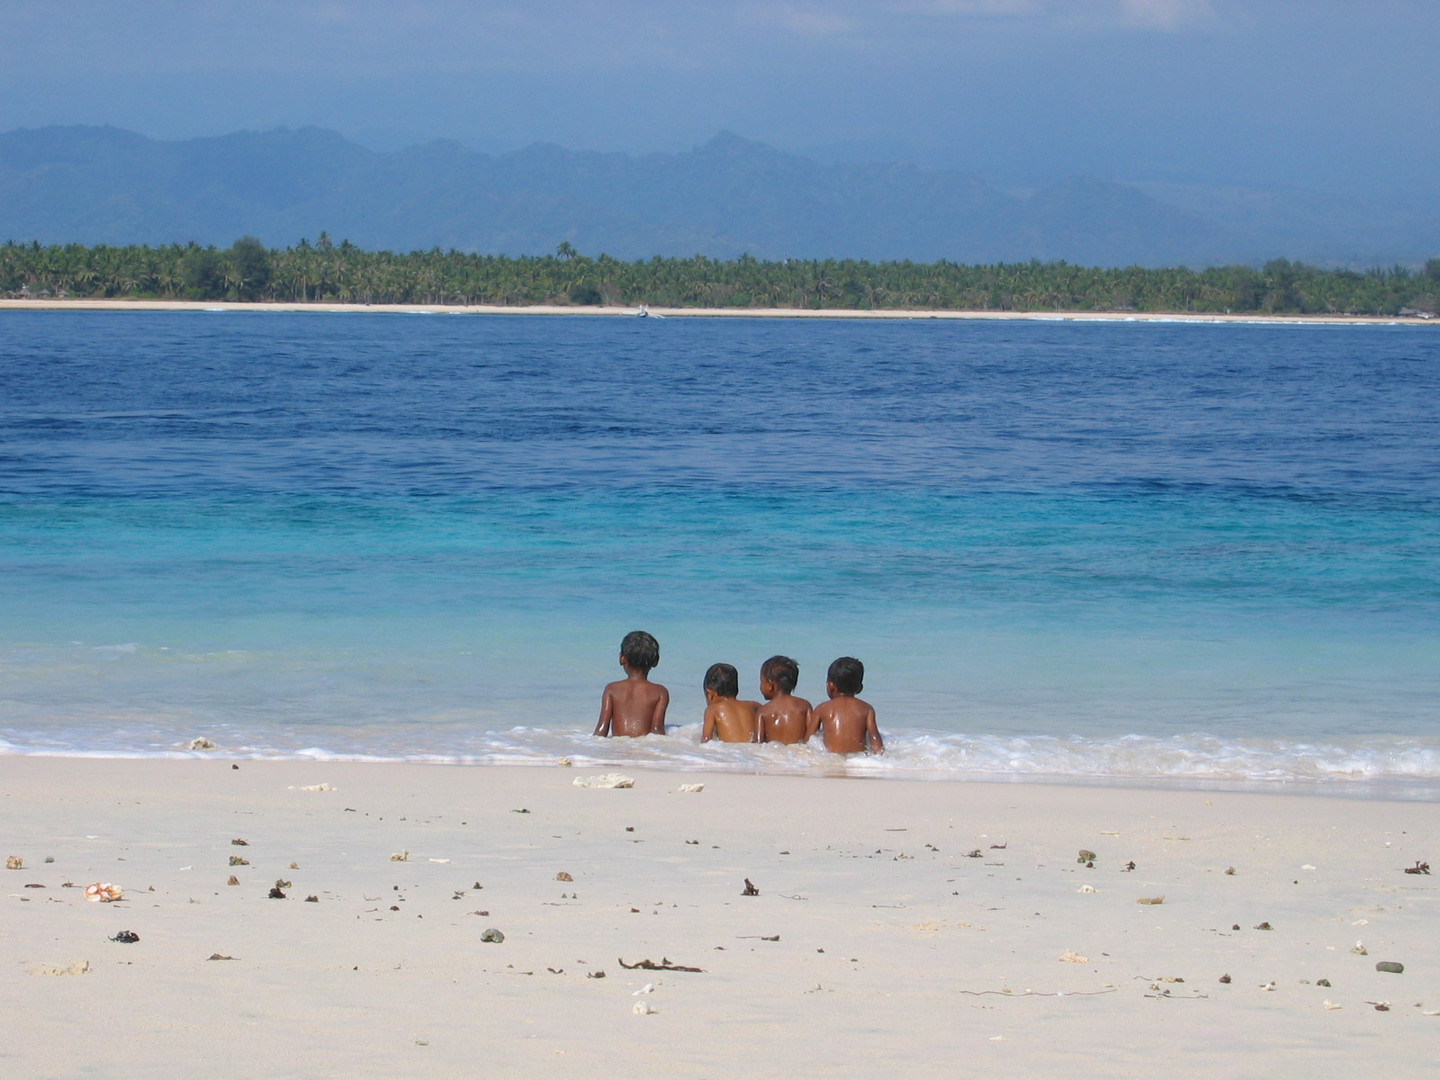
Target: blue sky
x,y
1340,95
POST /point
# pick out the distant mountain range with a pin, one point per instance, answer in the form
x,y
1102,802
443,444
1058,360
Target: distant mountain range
x,y
728,197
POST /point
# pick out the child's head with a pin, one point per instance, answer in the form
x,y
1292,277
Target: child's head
x,y
640,651
722,680
847,675
782,671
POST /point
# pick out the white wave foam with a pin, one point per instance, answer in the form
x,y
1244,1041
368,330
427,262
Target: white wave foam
x,y
1195,758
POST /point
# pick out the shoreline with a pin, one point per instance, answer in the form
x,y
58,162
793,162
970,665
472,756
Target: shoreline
x,y
668,313
894,928
1397,789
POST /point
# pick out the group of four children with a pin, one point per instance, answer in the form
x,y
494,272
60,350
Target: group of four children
x,y
636,706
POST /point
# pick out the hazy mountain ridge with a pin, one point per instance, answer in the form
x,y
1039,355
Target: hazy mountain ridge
x,y
724,198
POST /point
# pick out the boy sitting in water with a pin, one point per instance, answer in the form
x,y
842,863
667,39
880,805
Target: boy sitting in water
x,y
732,720
784,718
634,705
848,722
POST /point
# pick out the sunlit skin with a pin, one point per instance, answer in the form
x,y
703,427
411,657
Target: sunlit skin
x,y
784,718
847,724
729,719
633,706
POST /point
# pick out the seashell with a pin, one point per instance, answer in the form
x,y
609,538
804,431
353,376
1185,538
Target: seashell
x,y
492,936
80,967
1086,856
102,892
648,988
644,1008
1331,1005
201,743
14,862
692,788
564,762
1070,957
1360,950
563,876
1087,888
1151,900
400,856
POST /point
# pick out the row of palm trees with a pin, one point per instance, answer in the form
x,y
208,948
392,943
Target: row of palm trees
x,y
329,272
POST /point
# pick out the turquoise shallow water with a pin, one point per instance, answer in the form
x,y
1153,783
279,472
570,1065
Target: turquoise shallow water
x,y
1119,551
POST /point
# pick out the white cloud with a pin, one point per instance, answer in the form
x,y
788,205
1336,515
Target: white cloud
x,y
1166,14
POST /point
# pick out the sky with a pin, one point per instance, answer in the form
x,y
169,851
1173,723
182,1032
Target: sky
x,y
1331,95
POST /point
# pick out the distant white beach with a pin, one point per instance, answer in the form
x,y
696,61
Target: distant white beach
x,y
688,312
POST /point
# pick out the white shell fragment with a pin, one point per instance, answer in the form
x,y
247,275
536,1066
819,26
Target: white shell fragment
x,y
644,1008
605,780
694,788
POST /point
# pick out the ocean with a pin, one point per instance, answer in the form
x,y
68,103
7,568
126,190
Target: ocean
x,y
1118,552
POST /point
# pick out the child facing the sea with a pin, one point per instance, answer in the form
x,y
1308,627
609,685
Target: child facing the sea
x,y
784,717
634,706
848,724
725,715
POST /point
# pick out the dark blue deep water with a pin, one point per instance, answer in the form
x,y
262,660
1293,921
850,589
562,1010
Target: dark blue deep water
x,y
1077,549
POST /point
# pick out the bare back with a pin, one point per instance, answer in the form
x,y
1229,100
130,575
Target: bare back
x,y
633,707
848,726
783,719
731,720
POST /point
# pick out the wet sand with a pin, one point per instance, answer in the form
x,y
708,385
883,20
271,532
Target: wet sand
x,y
901,928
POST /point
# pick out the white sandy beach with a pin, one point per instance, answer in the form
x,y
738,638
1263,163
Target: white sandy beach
x,y
665,312
901,928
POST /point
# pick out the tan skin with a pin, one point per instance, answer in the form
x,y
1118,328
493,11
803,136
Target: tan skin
x,y
633,706
731,719
848,724
784,718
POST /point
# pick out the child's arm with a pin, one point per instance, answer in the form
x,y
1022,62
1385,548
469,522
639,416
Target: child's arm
x,y
657,719
607,712
812,723
872,732
708,731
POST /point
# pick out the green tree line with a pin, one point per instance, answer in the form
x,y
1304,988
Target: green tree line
x,y
325,272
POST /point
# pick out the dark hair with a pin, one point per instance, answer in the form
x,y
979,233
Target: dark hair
x,y
848,675
723,679
782,671
640,650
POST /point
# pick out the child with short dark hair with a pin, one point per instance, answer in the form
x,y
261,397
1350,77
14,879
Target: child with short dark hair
x,y
847,722
634,705
784,718
731,719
